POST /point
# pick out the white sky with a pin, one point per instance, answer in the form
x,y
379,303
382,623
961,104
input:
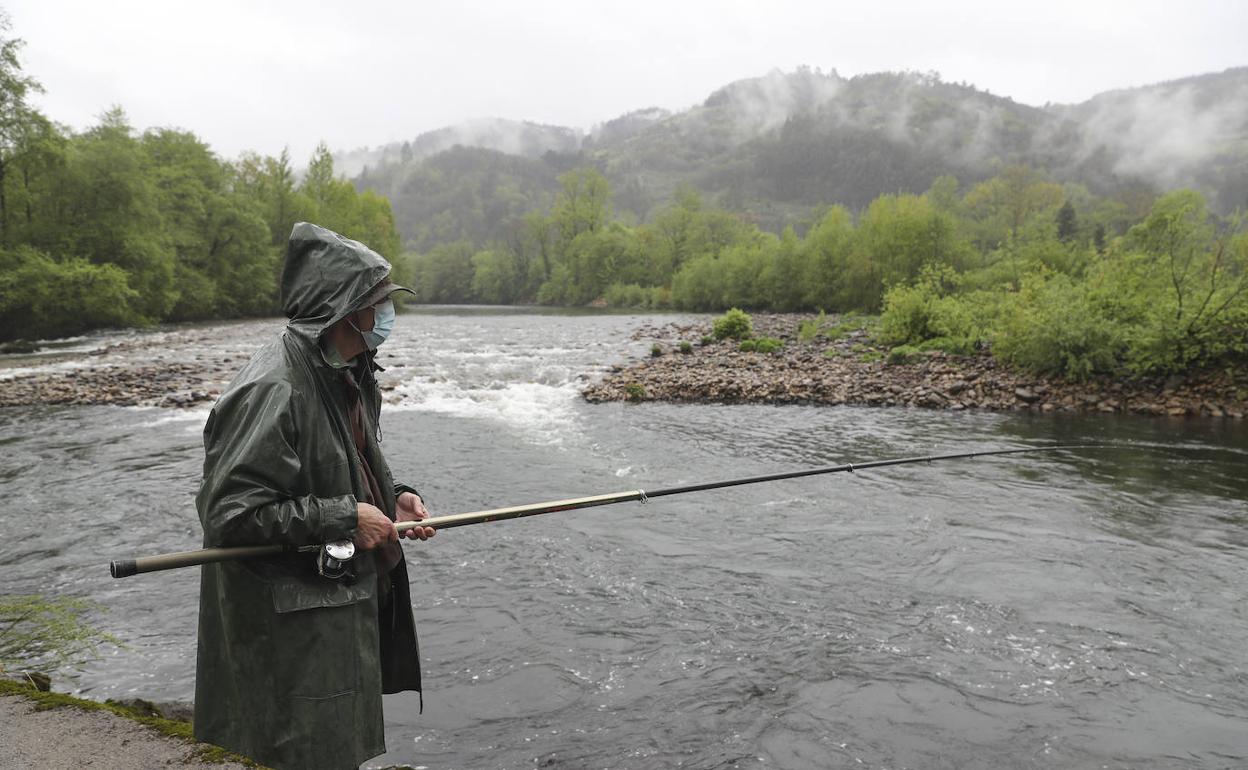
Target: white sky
x,y
262,75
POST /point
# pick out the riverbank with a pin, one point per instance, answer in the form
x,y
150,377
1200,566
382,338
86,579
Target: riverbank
x,y
45,729
177,367
41,729
181,368
849,369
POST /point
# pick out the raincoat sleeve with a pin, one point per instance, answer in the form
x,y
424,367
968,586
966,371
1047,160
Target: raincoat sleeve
x,y
400,488
250,466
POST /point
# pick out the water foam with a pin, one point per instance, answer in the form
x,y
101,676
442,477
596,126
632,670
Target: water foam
x,y
541,413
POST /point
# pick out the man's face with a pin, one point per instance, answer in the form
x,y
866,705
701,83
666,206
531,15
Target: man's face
x,y
365,318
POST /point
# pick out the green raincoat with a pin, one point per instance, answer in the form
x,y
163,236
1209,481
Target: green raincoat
x,y
292,665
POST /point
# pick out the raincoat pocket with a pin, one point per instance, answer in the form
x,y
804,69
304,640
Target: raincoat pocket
x,y
294,594
326,617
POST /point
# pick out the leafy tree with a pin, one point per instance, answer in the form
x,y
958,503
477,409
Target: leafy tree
x,y
827,247
785,273
495,277
16,115
42,297
1001,207
1196,282
583,204
896,237
1067,223
445,274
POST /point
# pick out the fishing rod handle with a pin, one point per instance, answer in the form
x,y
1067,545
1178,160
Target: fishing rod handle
x,y
120,568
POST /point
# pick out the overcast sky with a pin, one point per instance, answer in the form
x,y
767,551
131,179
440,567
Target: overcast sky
x,y
262,75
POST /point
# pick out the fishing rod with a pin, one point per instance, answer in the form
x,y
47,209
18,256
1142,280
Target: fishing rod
x,y
335,556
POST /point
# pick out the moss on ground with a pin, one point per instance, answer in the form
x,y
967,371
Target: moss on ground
x,y
203,752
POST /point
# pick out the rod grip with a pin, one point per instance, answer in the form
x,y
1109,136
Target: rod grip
x,y
123,567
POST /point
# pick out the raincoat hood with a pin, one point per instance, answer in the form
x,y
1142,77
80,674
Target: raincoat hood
x,y
326,277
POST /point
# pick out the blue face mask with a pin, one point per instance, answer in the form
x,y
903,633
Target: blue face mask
x,y
383,324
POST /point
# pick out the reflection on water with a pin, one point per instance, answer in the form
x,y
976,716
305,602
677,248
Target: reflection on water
x,y
1058,610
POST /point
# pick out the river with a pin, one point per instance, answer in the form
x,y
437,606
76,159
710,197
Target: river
x,y
1049,610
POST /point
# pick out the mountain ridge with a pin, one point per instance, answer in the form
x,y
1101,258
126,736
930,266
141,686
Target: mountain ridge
x,y
776,145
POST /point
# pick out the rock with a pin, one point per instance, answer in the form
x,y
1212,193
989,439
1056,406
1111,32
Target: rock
x,y
172,710
35,679
1028,396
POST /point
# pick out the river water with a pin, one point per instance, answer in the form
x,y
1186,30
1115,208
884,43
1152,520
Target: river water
x,y
1048,610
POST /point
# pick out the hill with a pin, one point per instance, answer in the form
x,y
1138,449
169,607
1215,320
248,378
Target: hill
x,y
775,147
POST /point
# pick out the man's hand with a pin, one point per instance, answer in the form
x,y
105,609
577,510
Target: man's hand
x,y
372,528
412,508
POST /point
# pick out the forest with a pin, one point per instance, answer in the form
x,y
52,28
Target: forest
x,y
116,227
1049,277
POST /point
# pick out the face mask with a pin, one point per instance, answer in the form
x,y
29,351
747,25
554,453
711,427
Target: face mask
x,y
383,324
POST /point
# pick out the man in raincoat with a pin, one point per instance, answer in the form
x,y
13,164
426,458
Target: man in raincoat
x,y
292,664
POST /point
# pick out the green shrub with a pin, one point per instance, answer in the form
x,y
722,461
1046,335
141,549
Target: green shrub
x,y
925,314
903,354
707,340
43,297
635,296
810,329
958,346
656,350
761,345
44,635
634,391
850,322
1057,326
735,324
686,348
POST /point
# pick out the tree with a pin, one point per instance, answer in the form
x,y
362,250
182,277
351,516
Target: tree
x,y
827,247
583,204
444,275
1194,281
896,237
1002,206
1067,223
494,277
319,179
16,116
108,210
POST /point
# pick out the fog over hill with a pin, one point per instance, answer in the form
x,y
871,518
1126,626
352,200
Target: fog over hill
x,y
777,145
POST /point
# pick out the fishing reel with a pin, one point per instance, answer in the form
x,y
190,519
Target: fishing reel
x,y
335,559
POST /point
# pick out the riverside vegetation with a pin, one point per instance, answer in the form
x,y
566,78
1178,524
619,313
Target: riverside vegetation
x,y
1050,279
109,227
807,359
112,227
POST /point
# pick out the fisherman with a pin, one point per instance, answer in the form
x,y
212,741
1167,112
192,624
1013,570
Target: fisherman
x,y
293,660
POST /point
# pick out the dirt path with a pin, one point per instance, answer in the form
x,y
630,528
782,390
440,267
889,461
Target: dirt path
x,y
69,737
